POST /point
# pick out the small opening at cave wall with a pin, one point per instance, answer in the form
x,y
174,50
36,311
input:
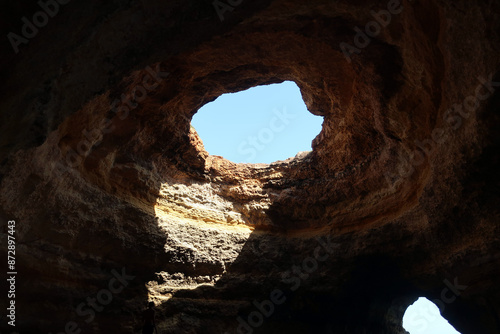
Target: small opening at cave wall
x,y
423,317
262,124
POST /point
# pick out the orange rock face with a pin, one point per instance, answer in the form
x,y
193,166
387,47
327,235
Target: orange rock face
x,y
117,203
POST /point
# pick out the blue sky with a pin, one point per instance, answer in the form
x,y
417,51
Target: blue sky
x,y
260,124
270,123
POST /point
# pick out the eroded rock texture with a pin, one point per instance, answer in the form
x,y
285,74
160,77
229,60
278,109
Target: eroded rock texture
x,y
104,175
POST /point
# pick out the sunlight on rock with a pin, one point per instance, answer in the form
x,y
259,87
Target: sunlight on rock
x,y
201,228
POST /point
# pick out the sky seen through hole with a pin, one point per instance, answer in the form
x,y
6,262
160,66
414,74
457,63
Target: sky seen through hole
x,y
268,123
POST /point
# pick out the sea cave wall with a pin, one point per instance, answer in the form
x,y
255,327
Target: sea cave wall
x,y
117,203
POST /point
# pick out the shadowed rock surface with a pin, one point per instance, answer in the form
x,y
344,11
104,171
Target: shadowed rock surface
x,y
104,175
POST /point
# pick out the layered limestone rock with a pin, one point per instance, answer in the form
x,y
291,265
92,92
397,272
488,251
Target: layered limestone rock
x,y
117,203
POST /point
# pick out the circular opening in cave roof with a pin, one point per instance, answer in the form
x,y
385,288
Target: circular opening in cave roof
x,y
262,124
